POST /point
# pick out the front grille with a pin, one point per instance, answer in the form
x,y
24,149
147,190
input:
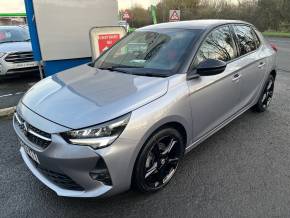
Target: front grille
x,y
34,135
19,57
60,179
23,70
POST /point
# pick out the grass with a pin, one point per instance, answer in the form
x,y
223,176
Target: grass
x,y
277,34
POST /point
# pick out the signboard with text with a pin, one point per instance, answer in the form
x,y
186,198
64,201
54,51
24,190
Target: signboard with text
x,y
103,38
107,40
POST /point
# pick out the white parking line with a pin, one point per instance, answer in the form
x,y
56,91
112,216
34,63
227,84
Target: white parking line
x,y
10,94
2,96
19,93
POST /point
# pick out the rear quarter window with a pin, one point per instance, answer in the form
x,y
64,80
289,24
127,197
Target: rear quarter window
x,y
247,39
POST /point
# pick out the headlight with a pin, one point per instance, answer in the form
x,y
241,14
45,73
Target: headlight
x,y
2,54
98,136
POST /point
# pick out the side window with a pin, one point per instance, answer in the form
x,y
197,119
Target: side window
x,y
247,39
256,38
218,45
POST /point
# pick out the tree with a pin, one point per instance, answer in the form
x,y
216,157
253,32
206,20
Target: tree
x,y
265,14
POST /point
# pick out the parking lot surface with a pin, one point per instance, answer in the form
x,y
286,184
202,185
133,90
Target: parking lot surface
x,y
283,45
241,171
13,88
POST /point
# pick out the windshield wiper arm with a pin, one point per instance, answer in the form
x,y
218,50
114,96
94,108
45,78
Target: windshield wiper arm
x,y
115,69
12,41
149,74
119,68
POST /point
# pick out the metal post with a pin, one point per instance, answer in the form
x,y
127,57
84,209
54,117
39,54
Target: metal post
x,y
40,64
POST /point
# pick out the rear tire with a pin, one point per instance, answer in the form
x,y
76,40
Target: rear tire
x,y
158,160
266,96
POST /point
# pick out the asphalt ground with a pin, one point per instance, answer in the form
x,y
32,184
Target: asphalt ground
x,y
283,45
241,171
12,88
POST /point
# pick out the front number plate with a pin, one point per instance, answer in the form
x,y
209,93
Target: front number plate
x,y
26,64
30,152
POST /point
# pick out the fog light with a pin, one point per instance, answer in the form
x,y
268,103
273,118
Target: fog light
x,y
101,173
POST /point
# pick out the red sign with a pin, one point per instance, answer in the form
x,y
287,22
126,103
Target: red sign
x,y
105,41
126,15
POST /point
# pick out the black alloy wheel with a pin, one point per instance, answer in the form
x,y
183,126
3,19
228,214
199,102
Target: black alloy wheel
x,y
158,161
266,96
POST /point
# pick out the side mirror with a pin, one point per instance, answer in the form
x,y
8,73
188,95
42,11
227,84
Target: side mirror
x,y
211,67
207,67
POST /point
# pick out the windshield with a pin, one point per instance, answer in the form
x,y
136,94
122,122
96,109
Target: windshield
x,y
13,34
147,52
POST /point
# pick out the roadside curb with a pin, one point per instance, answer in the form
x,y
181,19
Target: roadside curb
x,y
7,111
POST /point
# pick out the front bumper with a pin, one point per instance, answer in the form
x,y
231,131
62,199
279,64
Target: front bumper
x,y
73,163
8,68
61,191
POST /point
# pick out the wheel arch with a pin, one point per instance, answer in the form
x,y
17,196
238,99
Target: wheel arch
x,y
176,122
177,125
273,73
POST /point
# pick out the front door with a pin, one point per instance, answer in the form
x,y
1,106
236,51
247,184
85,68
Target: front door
x,y
215,98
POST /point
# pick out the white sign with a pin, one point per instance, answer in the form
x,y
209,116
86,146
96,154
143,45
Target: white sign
x,y
103,38
174,15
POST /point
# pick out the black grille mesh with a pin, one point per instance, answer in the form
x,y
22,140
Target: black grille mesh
x,y
59,179
19,57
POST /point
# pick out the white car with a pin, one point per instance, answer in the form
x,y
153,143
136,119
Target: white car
x,y
15,51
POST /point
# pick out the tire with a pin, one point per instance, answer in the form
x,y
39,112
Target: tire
x,y
266,96
158,160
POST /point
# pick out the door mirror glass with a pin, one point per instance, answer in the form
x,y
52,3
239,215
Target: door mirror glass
x,y
211,67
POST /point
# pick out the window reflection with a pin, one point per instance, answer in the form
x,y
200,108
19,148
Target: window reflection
x,y
247,39
219,45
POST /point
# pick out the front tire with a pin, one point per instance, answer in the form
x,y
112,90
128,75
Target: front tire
x,y
266,96
158,160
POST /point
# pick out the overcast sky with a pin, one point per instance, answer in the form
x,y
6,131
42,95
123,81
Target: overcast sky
x,y
12,6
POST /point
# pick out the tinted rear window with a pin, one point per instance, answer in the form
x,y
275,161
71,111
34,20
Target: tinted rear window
x,y
247,39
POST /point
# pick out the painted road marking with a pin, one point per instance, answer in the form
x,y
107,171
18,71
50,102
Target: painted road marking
x,y
7,95
2,96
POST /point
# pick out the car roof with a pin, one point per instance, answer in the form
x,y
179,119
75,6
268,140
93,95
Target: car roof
x,y
192,24
10,27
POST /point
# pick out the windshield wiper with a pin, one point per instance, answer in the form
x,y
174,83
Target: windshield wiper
x,y
118,68
12,41
149,74
114,69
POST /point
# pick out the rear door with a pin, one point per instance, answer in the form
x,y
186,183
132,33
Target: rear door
x,y
251,63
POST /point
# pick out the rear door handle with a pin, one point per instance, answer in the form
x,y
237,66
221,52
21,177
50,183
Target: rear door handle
x,y
236,77
262,64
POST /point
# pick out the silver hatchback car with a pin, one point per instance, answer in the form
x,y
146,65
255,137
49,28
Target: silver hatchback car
x,y
128,118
